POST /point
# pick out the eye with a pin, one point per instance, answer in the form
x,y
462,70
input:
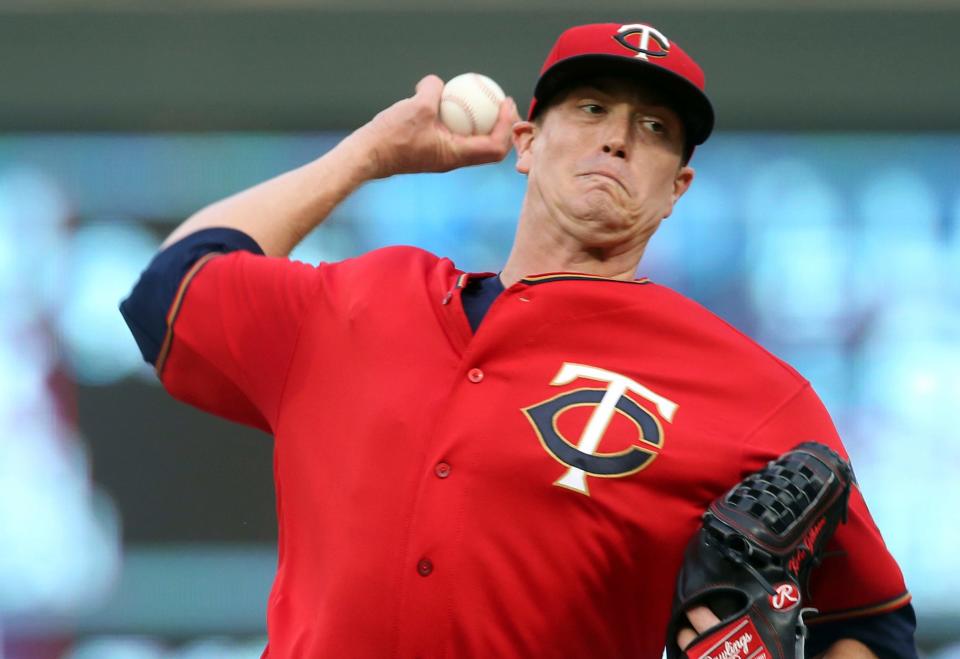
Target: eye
x,y
592,108
655,126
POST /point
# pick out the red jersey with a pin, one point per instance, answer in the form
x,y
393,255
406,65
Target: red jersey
x,y
525,491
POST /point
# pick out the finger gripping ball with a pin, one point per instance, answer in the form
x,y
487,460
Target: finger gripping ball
x,y
470,104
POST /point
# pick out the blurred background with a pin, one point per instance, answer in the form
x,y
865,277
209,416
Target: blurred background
x,y
824,222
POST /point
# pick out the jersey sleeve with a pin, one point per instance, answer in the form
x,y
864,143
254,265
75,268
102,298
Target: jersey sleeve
x,y
888,634
858,576
232,329
145,309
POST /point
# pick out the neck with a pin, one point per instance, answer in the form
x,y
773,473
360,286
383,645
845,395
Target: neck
x,y
542,245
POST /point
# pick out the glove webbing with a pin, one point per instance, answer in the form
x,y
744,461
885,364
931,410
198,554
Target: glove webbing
x,y
776,498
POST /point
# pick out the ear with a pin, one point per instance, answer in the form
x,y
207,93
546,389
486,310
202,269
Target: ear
x,y
523,134
682,181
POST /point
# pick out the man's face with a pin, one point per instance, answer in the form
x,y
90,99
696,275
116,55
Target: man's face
x,y
605,162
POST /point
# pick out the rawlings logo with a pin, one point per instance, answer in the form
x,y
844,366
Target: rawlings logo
x,y
786,598
737,648
739,642
806,548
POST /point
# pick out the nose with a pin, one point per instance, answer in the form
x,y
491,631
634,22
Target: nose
x,y
615,148
617,136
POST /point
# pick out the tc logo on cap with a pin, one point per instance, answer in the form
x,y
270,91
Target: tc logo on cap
x,y
642,49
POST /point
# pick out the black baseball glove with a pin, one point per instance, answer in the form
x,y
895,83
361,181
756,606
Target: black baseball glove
x,y
751,560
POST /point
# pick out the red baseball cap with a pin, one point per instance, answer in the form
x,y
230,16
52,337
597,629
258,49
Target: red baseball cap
x,y
634,50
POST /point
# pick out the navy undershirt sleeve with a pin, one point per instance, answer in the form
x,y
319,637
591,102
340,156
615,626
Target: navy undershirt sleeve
x,y
145,310
477,297
889,635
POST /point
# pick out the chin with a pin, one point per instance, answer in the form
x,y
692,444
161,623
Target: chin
x,y
606,217
602,233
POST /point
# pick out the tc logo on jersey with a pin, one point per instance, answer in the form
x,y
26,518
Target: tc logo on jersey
x,y
581,457
642,47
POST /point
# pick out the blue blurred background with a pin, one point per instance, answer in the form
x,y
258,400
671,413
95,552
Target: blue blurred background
x,y
134,527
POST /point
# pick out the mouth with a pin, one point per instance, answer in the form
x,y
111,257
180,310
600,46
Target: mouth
x,y
607,175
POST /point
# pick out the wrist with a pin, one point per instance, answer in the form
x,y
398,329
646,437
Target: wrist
x,y
848,649
358,157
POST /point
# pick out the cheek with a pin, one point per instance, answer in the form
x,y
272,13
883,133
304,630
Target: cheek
x,y
657,185
545,166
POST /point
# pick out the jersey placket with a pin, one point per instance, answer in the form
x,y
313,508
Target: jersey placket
x,y
433,554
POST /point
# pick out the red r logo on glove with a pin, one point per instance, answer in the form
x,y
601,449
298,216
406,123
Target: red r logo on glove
x,y
786,598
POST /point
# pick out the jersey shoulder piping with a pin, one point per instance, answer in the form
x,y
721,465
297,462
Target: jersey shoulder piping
x,y
175,308
867,610
533,280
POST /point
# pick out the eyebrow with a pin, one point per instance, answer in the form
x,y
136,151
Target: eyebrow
x,y
599,86
654,100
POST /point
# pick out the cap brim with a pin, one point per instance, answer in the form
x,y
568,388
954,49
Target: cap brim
x,y
690,103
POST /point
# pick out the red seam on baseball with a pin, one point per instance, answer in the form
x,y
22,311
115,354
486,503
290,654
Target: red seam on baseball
x,y
487,90
466,108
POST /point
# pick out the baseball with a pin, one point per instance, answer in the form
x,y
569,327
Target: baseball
x,y
470,104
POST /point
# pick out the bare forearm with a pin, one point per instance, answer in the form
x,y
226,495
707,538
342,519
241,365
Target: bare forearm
x,y
407,137
278,213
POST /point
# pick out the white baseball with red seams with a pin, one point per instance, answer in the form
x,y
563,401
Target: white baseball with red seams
x,y
470,104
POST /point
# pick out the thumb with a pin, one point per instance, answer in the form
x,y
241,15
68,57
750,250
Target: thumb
x,y
430,89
